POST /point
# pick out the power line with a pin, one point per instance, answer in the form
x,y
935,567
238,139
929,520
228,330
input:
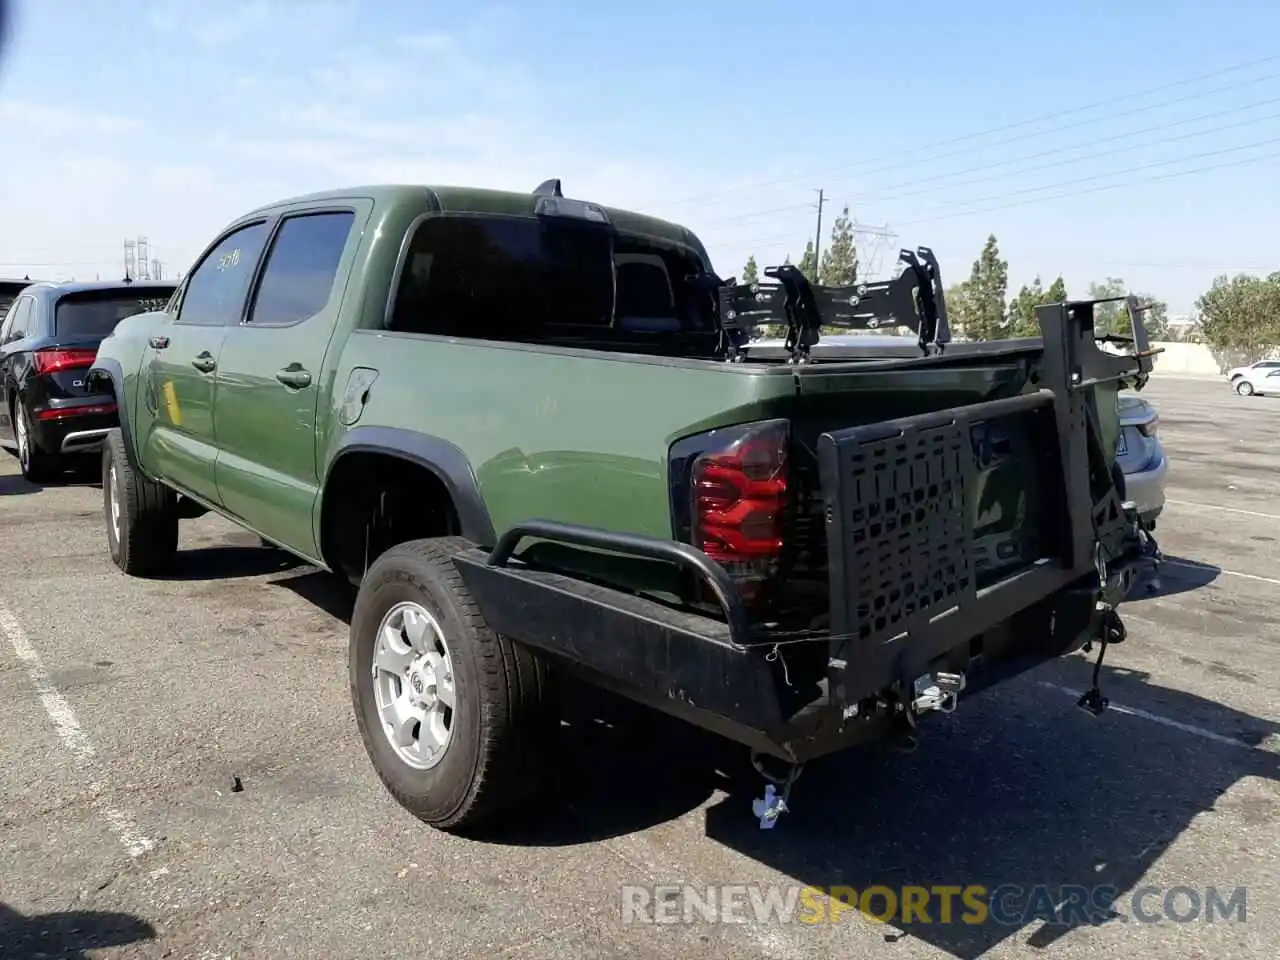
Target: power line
x,y
1138,169
880,197
919,155
1110,186
877,194
778,240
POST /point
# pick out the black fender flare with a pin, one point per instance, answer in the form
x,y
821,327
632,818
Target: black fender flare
x,y
105,368
445,460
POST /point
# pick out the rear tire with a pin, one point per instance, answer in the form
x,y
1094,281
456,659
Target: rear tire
x,y
501,722
141,515
37,465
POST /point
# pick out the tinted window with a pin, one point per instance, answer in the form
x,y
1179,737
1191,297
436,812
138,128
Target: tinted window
x,y
21,317
216,289
6,324
95,314
301,267
504,278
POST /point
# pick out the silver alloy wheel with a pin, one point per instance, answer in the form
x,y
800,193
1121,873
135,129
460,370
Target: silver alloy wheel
x,y
413,685
24,441
114,494
1244,388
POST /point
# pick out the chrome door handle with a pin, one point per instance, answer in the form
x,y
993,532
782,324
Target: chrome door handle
x,y
204,362
294,376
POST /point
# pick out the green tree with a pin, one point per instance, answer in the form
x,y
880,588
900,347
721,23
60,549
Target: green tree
x,y
840,261
1242,313
979,304
1113,317
809,263
1110,317
750,273
1023,321
1155,319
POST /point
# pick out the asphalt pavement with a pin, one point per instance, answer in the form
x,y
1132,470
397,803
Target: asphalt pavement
x,y
182,776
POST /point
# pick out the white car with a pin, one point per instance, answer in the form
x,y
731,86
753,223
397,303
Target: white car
x,y
1260,377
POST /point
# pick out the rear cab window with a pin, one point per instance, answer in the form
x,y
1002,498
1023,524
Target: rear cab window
x,y
95,313
559,282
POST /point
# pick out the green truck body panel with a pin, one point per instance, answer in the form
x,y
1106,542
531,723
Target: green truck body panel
x,y
572,435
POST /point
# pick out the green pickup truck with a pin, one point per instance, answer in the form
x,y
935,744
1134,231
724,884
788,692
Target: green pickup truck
x,y
533,430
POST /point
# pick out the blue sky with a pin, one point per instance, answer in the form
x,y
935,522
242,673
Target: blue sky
x,y
168,119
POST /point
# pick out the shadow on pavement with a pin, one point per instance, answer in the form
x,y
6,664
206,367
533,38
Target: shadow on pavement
x,y
14,484
1021,790
327,591
1177,575
67,936
229,559
620,768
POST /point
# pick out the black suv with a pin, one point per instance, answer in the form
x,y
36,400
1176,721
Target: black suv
x,y
48,340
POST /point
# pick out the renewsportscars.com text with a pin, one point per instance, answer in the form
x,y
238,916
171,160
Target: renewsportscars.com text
x,y
973,904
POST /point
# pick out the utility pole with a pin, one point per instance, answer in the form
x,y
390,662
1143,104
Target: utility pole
x,y
817,239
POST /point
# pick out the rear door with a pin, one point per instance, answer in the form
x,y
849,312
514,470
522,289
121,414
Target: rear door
x,y
176,436
270,373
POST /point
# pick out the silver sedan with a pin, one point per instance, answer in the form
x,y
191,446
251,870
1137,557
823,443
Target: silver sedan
x,y
1141,456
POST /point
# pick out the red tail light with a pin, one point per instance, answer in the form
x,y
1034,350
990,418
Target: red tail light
x,y
738,489
52,361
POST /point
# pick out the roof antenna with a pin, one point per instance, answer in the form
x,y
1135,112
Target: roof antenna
x,y
548,188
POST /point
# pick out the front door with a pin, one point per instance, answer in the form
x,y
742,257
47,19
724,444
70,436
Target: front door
x,y
271,375
176,438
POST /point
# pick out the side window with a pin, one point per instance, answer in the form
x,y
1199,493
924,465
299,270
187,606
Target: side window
x,y
505,278
216,289
19,319
301,267
7,325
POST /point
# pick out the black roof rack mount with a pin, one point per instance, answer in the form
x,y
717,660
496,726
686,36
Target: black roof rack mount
x,y
913,299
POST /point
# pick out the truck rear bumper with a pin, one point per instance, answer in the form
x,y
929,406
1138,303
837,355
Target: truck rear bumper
x,y
721,676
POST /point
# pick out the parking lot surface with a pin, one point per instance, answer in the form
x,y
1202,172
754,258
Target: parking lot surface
x,y
132,710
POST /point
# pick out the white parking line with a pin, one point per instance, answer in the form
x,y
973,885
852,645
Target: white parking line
x,y
1266,746
69,730
1217,506
1212,568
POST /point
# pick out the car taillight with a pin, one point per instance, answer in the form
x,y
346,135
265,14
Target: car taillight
x,y
737,498
1151,428
54,360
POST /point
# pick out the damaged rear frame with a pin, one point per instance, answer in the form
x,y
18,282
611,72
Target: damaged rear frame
x,y
726,675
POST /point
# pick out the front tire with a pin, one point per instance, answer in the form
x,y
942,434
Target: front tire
x,y
1244,388
141,515
454,717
